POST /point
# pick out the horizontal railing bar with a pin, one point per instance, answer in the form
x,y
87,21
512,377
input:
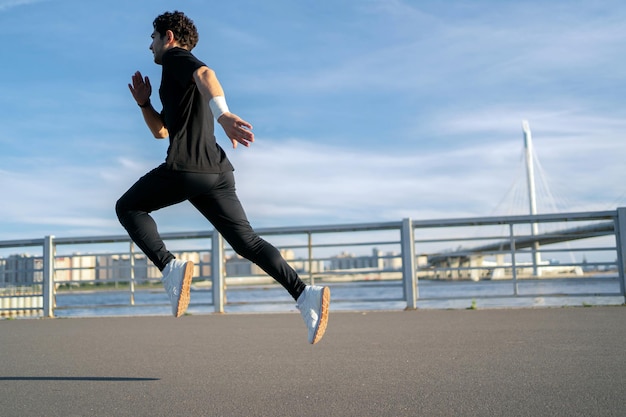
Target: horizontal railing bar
x,y
20,243
340,228
504,220
512,295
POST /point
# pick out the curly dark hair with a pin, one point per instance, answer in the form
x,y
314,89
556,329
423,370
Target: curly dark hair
x,y
182,27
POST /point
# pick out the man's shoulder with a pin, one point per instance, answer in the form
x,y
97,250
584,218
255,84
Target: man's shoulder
x,y
180,54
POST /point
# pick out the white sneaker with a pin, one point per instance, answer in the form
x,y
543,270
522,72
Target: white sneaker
x,y
177,277
313,304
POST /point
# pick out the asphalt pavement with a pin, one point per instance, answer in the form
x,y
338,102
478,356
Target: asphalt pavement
x,y
509,362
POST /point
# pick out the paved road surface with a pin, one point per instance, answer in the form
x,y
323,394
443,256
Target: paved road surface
x,y
527,362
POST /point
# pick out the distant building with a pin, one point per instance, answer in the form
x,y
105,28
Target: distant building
x,y
118,267
378,260
236,266
111,268
17,270
23,269
75,268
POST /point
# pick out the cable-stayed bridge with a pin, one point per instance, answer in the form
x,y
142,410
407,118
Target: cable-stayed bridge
x,y
473,257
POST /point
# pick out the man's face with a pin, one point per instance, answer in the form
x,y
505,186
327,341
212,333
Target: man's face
x,y
158,46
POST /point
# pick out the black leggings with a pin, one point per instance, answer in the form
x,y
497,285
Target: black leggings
x,y
214,196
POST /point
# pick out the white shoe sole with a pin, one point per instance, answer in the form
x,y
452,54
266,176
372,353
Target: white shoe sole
x,y
183,300
323,322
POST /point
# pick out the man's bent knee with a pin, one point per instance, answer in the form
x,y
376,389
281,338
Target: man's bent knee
x,y
121,209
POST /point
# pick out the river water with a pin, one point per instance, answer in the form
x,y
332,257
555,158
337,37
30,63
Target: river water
x,y
355,296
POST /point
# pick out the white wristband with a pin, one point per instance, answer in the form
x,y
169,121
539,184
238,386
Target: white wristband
x,y
218,106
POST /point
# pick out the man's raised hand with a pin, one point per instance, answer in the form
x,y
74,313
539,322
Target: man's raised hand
x,y
140,88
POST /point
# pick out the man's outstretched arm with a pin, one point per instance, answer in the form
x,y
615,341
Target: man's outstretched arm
x,y
237,129
141,91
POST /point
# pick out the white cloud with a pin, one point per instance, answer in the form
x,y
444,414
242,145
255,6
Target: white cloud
x,y
45,195
281,178
293,182
9,4
504,46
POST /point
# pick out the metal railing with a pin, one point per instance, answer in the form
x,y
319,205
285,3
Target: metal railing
x,y
420,261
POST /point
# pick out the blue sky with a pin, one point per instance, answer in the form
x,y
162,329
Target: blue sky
x,y
363,110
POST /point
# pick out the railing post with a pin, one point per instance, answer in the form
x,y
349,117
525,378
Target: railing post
x,y
48,276
407,244
217,271
132,273
513,260
620,240
310,253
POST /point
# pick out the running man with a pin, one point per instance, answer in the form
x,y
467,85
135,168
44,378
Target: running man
x,y
197,169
